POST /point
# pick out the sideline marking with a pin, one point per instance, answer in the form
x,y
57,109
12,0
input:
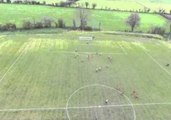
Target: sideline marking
x,y
88,107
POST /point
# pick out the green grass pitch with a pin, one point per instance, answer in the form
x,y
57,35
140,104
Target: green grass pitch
x,y
44,75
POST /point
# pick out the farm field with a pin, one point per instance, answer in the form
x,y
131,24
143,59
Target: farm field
x,y
154,5
60,77
18,13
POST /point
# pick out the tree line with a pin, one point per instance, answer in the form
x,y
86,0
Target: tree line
x,y
133,20
48,22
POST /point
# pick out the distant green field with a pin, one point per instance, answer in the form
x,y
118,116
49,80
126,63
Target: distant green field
x,y
42,75
18,13
154,5
154,1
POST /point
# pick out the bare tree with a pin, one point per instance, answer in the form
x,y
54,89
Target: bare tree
x,y
133,21
83,15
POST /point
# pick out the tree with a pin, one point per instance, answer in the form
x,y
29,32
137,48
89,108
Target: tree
x,y
170,31
28,25
74,24
169,24
94,5
61,23
133,21
62,4
86,4
83,17
99,26
44,3
157,30
47,22
8,1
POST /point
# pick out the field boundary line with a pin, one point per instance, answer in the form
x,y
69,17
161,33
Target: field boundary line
x,y
88,107
123,49
153,59
11,66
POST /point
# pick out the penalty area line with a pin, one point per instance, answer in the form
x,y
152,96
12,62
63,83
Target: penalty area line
x,y
88,107
123,49
12,65
153,59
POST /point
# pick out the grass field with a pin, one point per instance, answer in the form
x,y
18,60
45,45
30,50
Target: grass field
x,y
18,13
154,5
42,75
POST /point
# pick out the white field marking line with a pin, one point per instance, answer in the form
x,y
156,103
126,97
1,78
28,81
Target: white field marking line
x,y
122,105
88,107
103,53
123,49
30,109
157,62
89,44
11,66
103,86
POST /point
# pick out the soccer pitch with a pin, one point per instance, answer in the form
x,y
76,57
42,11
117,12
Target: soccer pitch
x,y
60,77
